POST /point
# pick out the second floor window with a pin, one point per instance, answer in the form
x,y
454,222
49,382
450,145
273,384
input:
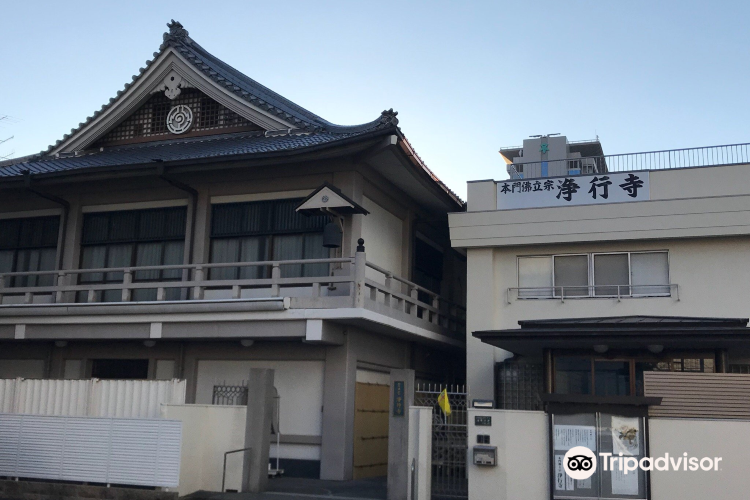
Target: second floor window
x,y
134,238
264,231
29,244
594,275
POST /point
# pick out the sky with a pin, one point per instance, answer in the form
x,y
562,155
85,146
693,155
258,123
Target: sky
x,y
466,78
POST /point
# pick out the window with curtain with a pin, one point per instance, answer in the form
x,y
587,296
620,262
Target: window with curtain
x,y
29,244
266,230
611,274
134,238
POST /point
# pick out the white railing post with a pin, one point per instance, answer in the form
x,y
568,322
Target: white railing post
x,y
127,279
161,293
275,276
387,295
436,305
198,288
360,266
59,295
91,297
414,294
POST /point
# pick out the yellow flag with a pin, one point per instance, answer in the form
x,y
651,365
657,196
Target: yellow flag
x,y
444,404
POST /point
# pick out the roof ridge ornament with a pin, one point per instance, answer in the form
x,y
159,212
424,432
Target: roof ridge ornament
x,y
176,32
388,117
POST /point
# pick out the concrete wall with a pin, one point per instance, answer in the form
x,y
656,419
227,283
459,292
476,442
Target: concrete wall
x,y
700,215
207,433
383,235
522,470
713,275
299,384
727,439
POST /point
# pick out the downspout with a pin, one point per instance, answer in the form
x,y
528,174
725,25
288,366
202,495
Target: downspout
x,y
161,172
28,184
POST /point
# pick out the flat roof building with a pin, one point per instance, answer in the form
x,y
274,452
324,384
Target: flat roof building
x,y
605,301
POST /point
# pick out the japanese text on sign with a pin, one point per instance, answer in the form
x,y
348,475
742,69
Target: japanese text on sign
x,y
574,190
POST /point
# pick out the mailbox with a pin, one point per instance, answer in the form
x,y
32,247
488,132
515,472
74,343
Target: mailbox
x,y
485,455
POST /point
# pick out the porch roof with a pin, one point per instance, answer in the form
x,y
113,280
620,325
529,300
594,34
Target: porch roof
x,y
620,332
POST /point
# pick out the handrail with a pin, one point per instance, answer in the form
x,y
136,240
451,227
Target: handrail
x,y
591,292
224,472
704,156
171,267
402,296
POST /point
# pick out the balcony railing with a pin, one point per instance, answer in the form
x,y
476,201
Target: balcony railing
x,y
708,156
347,283
618,292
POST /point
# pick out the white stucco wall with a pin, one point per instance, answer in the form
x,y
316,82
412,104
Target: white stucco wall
x,y
207,433
522,470
713,275
728,439
300,386
383,233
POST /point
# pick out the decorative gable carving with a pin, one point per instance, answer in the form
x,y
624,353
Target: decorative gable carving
x,y
153,119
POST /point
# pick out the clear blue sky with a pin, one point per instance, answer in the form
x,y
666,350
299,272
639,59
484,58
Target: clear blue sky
x,y
465,77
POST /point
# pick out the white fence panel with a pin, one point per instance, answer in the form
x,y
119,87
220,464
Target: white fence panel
x,y
127,451
94,397
135,398
7,394
52,397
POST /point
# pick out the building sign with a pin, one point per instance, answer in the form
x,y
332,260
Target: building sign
x,y
574,190
398,398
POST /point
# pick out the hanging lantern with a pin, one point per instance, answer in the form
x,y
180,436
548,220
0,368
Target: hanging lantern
x,y
331,235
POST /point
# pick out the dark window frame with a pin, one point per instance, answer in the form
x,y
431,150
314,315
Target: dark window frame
x,y
267,218
18,247
135,242
665,360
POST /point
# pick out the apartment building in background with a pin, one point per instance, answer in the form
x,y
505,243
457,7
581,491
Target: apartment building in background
x,y
607,307
199,225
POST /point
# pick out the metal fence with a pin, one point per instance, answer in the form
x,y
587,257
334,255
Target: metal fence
x,y
707,156
518,385
230,395
117,451
449,440
90,397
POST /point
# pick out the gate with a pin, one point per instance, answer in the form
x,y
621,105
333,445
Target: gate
x,y
449,440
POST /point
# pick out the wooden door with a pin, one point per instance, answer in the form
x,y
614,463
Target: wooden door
x,y
370,430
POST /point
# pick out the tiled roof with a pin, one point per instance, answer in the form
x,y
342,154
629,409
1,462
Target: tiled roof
x,y
195,148
241,85
309,129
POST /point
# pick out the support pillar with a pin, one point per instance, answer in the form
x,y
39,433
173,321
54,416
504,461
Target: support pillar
x,y
402,397
260,394
337,447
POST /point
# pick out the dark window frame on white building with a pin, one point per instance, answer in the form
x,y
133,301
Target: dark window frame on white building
x,y
599,280
29,244
268,230
134,238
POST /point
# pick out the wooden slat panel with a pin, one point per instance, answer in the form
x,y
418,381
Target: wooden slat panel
x,y
711,395
371,403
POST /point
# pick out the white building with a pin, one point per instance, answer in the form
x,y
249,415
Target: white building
x,y
608,301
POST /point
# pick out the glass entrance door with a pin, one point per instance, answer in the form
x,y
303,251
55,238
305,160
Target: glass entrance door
x,y
612,438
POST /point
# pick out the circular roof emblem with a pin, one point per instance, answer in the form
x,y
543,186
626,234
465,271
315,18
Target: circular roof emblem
x,y
324,199
179,119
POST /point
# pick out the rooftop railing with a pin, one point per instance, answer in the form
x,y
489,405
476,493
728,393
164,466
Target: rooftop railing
x,y
340,282
619,292
708,156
